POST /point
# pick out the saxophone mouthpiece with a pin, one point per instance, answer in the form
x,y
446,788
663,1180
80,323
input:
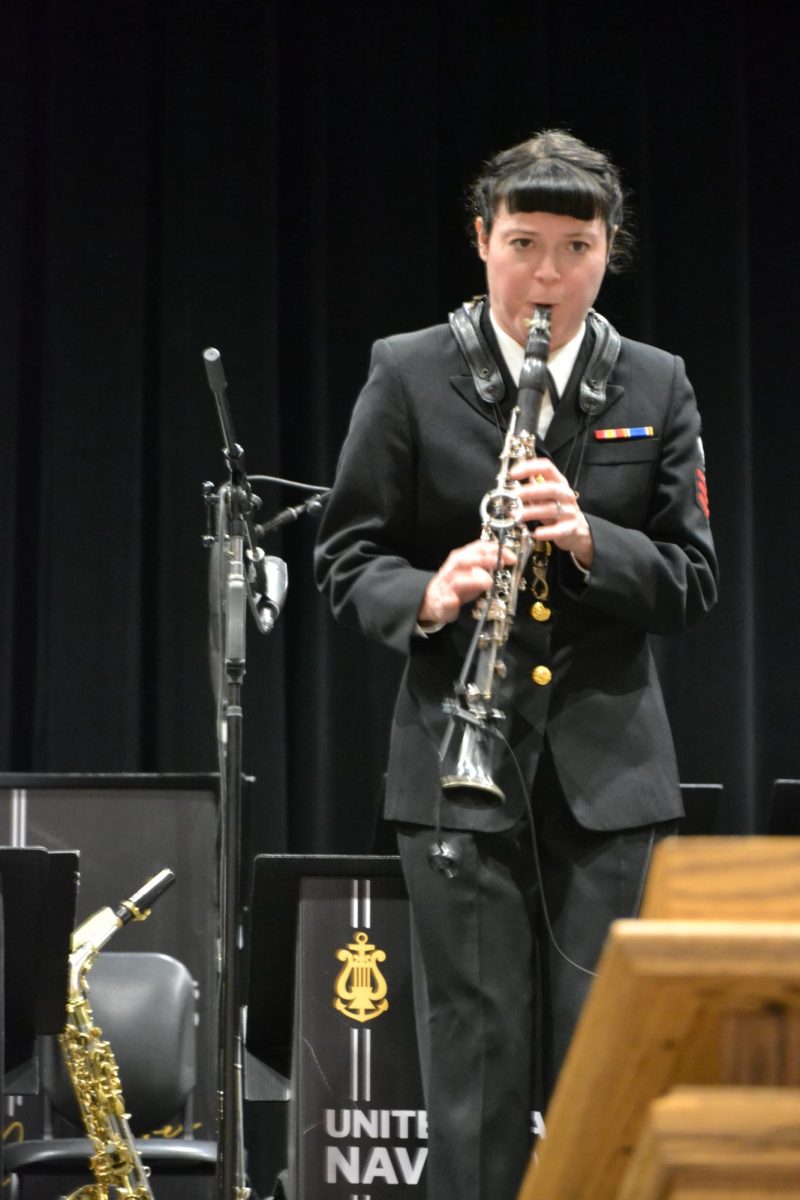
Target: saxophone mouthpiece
x,y
137,906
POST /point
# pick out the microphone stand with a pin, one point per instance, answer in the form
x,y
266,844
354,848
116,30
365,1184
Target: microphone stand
x,y
241,575
234,540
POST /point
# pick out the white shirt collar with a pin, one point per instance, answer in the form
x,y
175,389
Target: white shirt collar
x,y
560,363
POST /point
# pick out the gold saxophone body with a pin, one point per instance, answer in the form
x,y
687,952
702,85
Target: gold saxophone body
x,y
115,1162
467,748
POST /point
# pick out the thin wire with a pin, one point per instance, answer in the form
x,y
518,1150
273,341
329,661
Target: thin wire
x,y
438,831
538,865
304,487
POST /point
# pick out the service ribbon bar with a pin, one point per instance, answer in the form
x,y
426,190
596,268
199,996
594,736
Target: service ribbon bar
x,y
613,435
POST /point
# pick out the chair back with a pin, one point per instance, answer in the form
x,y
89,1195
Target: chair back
x,y
144,1003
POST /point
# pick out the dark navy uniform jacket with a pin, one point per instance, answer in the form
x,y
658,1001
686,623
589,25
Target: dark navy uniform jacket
x,y
421,451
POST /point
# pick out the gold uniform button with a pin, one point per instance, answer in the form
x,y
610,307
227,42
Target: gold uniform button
x,y
540,612
541,675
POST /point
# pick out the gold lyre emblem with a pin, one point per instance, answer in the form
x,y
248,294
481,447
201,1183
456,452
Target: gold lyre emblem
x,y
360,987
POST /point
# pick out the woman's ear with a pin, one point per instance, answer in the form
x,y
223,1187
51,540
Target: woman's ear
x,y
481,238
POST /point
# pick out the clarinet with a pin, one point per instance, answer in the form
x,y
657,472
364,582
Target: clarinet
x,y
466,750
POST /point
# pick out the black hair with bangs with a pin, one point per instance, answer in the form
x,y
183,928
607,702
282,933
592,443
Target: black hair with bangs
x,y
554,172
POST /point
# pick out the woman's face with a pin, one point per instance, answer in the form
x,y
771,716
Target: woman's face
x,y
542,258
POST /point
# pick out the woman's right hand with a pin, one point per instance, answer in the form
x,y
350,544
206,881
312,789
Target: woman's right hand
x,y
464,575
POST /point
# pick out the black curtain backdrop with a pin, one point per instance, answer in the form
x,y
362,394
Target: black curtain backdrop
x,y
284,182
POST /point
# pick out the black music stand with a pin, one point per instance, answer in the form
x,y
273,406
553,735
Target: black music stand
x,y
273,939
784,816
702,803
344,1033
39,890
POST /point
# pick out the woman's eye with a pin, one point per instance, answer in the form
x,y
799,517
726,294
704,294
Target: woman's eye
x,y
579,247
522,243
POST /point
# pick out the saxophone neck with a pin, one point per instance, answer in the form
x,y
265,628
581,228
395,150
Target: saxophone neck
x,y
87,942
92,934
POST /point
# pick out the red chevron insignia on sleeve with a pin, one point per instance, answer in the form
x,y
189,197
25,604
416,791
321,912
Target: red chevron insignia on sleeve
x,y
701,491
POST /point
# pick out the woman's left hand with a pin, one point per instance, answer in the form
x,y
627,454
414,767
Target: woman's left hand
x,y
548,499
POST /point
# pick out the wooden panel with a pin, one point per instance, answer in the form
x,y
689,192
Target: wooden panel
x,y
659,1014
724,878
718,1144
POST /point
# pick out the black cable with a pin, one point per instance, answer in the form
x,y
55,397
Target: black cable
x,y
538,866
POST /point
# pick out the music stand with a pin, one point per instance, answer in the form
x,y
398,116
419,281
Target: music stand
x,y
39,892
784,817
702,802
276,890
331,1002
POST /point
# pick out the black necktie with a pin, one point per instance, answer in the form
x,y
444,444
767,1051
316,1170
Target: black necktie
x,y
553,390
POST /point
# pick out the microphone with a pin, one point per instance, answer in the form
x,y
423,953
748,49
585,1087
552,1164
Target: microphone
x,y
214,370
215,373
312,505
271,580
276,583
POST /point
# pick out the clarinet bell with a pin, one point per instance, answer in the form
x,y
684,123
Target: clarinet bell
x,y
467,774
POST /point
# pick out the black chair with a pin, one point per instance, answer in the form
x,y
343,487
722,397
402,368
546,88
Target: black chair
x,y
145,1005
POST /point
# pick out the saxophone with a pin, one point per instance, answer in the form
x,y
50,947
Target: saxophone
x,y
466,773
115,1161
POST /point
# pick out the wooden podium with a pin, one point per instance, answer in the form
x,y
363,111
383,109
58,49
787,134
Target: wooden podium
x,y
683,1078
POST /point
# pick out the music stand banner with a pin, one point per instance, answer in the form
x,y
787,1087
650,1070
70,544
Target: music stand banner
x,y
358,1125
